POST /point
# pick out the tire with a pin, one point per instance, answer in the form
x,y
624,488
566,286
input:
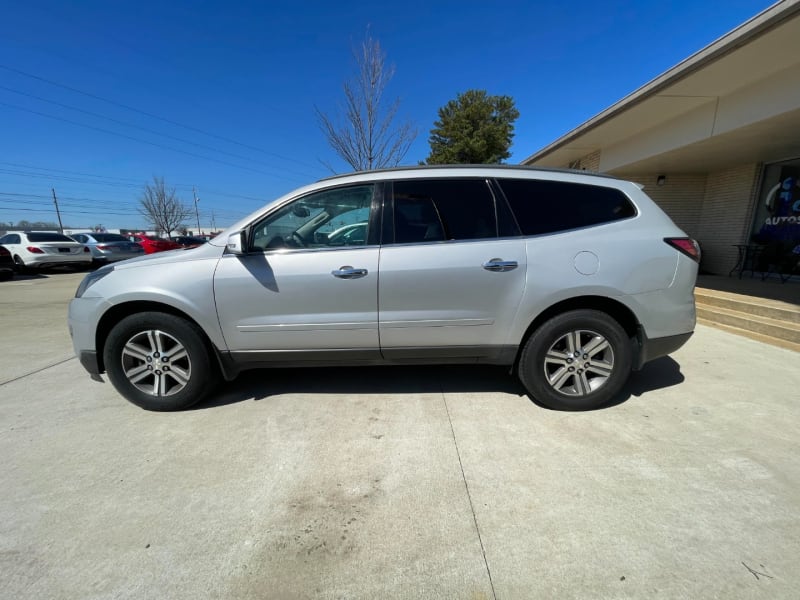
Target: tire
x,y
553,364
159,361
19,265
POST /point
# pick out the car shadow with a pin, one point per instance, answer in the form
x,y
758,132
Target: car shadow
x,y
28,276
262,384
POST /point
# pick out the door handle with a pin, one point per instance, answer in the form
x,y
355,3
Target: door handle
x,y
348,272
498,264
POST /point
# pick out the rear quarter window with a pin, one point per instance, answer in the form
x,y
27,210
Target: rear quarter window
x,y
551,206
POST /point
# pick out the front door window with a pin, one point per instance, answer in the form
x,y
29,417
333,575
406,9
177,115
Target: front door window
x,y
328,219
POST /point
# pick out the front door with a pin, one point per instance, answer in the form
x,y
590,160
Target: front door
x,y
309,281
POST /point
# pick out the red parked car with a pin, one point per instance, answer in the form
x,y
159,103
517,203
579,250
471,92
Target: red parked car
x,y
152,243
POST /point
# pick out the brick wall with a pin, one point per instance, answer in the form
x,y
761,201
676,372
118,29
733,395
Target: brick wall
x,y
725,218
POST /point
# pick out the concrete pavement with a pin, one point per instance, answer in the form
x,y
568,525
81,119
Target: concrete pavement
x,y
395,482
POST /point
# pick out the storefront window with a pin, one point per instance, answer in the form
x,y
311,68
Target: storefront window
x,y
777,219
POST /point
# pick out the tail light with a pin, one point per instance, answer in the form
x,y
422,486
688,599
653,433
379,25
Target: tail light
x,y
687,246
86,249
34,250
4,252
103,247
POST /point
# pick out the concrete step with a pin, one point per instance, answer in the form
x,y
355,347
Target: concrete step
x,y
771,309
759,337
772,328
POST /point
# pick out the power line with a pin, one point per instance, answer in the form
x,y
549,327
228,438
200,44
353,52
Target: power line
x,y
137,184
70,172
66,206
140,128
99,205
102,204
135,139
142,112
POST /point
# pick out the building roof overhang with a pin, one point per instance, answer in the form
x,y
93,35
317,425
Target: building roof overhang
x,y
714,109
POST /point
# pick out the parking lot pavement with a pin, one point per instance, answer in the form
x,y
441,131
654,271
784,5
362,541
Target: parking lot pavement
x,y
34,321
399,482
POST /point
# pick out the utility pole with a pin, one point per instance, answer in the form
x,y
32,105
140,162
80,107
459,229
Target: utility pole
x,y
196,213
213,222
55,201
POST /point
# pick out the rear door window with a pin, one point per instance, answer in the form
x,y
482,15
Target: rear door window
x,y
433,210
551,206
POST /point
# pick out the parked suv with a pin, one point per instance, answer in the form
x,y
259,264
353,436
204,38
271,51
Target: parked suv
x,y
571,279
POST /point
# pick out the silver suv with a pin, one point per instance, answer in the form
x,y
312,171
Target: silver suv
x,y
572,280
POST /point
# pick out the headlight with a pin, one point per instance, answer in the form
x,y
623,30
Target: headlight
x,y
91,279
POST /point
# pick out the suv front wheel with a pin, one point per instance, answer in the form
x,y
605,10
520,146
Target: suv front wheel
x,y
578,360
159,361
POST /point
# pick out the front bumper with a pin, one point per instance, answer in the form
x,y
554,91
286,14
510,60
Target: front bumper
x,y
89,361
82,318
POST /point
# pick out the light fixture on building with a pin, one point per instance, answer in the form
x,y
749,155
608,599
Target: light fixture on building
x,y
661,180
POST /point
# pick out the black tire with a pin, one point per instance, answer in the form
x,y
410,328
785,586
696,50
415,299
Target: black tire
x,y
159,361
19,265
558,378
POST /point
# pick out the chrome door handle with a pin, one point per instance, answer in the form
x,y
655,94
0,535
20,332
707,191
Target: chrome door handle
x,y
498,264
348,272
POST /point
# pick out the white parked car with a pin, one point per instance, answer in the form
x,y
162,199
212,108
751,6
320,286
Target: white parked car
x,y
40,249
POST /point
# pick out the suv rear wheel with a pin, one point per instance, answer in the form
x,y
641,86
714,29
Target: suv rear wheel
x,y
578,360
159,361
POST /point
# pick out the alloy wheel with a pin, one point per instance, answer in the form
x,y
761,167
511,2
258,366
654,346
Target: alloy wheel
x,y
579,363
156,363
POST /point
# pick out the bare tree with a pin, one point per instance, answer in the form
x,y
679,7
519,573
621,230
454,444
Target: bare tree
x,y
362,133
162,207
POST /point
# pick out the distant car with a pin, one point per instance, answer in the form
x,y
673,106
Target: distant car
x,y
152,244
40,249
6,264
109,247
190,241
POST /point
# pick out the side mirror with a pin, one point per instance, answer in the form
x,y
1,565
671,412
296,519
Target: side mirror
x,y
237,243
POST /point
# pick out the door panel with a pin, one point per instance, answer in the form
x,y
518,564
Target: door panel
x,y
441,294
285,301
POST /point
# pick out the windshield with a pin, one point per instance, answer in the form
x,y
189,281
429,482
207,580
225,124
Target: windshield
x,y
47,236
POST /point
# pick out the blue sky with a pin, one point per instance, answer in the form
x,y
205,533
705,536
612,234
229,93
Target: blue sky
x,y
97,97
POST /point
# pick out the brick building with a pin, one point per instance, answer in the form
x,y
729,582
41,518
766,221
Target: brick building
x,y
715,140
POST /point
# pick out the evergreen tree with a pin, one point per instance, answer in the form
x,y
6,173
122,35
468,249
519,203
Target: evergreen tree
x,y
475,128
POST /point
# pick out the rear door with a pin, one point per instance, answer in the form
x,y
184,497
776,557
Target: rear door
x,y
453,274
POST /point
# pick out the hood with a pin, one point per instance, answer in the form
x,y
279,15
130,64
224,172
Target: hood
x,y
172,256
